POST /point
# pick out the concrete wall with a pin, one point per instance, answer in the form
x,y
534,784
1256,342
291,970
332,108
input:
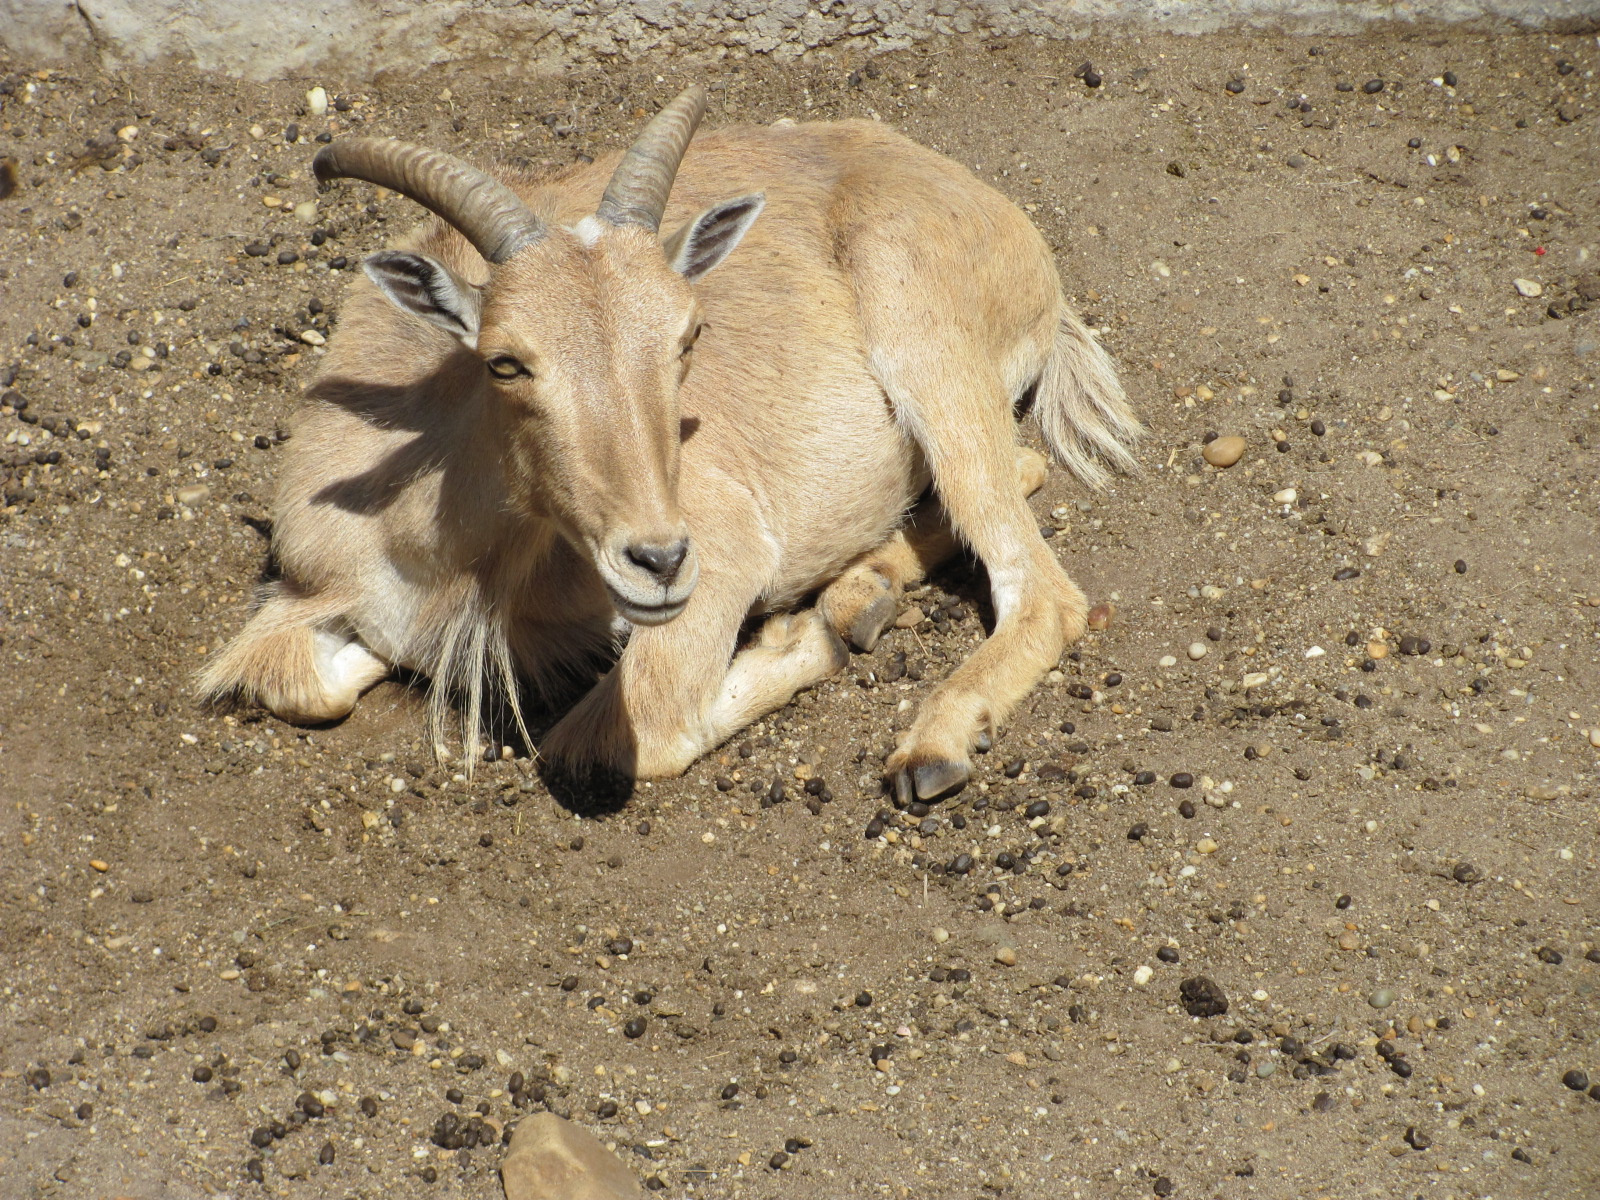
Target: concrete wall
x,y
265,38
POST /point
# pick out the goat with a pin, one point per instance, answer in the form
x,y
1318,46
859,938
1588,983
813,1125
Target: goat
x,y
546,433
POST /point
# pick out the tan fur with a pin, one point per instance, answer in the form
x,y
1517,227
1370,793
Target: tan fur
x,y
867,339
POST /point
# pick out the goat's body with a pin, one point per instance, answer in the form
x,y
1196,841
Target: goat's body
x,y
867,339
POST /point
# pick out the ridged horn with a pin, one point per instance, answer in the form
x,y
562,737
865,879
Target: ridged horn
x,y
637,193
487,212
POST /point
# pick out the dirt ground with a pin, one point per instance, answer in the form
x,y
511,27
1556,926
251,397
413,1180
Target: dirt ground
x,y
242,958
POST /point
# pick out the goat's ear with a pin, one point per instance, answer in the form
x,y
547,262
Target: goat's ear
x,y
428,289
711,237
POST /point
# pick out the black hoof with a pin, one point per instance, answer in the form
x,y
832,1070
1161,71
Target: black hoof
x,y
869,625
936,780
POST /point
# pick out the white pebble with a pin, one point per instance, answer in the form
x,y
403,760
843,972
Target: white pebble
x,y
1166,660
1286,496
1142,976
1197,650
1315,652
1527,287
941,935
317,101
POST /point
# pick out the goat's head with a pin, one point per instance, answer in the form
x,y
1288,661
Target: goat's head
x,y
585,334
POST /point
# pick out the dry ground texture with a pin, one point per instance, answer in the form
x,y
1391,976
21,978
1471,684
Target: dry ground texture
x,y
243,958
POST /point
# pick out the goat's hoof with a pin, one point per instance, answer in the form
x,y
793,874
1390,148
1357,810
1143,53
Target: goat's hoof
x,y
871,621
929,780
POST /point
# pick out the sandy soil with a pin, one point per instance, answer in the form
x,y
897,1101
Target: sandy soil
x,y
215,926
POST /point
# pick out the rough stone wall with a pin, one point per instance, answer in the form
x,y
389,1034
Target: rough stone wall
x,y
265,38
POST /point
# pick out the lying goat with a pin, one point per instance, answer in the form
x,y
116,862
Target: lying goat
x,y
548,430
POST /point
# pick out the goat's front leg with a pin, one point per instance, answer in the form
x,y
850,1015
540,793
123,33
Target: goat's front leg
x,y
674,693
297,658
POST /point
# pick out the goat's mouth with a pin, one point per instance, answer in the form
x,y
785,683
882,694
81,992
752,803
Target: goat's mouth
x,y
647,614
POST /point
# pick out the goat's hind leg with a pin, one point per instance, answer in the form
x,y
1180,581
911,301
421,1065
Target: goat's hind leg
x,y
962,418
862,603
297,659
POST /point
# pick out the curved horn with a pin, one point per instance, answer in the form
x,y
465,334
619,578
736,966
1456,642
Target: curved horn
x,y
637,193
487,212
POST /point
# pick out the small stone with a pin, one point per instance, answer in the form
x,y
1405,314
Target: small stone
x,y
1006,956
1528,287
941,935
1197,651
1416,1139
317,102
1382,998
1224,451
1142,975
1377,649
1100,616
1206,846
1202,997
1372,87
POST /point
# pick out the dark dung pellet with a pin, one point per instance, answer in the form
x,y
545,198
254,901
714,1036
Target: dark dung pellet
x,y
634,1027
1578,1081
1182,779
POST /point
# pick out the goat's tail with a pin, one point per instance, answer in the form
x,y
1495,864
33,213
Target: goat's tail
x,y
1083,412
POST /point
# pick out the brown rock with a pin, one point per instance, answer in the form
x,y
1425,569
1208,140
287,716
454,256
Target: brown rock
x,y
552,1159
1224,451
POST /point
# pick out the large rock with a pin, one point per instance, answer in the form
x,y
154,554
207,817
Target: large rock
x,y
552,1159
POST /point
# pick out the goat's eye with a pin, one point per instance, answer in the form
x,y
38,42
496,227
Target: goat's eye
x,y
694,336
504,366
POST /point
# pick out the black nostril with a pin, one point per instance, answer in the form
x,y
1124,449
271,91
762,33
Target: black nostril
x,y
661,561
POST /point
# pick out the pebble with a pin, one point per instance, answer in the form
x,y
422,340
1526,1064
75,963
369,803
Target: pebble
x,y
1381,998
1528,287
1202,997
1206,846
1166,660
1142,975
1100,616
1006,956
1197,650
1224,451
317,101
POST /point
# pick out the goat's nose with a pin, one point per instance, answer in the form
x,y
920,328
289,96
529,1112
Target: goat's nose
x,y
661,561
